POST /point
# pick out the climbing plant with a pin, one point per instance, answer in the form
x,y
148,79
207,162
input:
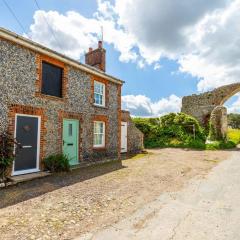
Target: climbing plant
x,y
7,143
171,130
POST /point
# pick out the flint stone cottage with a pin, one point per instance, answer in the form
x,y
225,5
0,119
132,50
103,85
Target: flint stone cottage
x,y
53,104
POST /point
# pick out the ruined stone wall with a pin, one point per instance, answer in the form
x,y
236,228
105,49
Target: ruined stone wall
x,y
208,107
201,106
218,123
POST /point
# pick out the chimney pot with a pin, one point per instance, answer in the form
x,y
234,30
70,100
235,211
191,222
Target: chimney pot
x,y
90,49
100,44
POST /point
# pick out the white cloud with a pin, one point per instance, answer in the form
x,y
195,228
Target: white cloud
x,y
217,54
202,36
157,66
72,34
141,105
163,26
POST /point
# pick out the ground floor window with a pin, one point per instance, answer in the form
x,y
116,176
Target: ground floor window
x,y
99,134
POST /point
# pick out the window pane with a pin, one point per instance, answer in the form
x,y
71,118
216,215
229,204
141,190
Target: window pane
x,y
101,89
51,80
97,98
101,128
97,87
100,99
70,130
95,127
101,139
99,93
99,133
95,139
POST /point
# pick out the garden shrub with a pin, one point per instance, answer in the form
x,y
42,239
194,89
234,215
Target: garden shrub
x,y
176,130
7,144
57,163
217,145
234,120
172,130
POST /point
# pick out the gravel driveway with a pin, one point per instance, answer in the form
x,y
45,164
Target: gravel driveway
x,y
205,209
68,205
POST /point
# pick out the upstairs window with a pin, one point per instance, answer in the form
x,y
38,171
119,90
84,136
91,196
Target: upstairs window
x,y
99,94
51,80
99,134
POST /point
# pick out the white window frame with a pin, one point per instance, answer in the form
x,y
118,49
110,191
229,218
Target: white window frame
x,y
103,134
103,94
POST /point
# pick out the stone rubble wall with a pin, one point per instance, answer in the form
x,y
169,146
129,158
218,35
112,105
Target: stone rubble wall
x,y
218,123
202,106
134,135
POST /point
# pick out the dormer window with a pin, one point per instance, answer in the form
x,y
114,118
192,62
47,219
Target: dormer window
x,y
99,94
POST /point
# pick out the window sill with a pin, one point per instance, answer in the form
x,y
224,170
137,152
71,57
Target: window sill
x,y
53,98
99,148
99,106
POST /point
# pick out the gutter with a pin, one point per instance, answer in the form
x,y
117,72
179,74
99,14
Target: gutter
x,y
13,37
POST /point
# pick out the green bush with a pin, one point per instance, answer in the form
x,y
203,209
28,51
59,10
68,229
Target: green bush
x,y
57,163
217,145
7,144
177,130
234,120
172,130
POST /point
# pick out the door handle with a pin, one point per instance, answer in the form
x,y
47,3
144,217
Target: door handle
x,y
70,144
26,146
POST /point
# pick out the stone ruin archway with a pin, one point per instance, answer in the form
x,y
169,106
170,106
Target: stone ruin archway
x,y
208,106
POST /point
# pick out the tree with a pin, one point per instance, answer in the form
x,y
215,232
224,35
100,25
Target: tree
x,y
234,120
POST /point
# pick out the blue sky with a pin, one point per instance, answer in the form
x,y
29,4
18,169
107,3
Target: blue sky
x,y
160,59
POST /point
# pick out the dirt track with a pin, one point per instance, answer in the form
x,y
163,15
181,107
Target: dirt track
x,y
67,205
206,208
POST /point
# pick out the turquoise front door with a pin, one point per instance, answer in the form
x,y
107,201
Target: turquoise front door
x,y
70,140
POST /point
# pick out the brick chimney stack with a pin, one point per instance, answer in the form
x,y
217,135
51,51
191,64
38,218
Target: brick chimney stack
x,y
97,57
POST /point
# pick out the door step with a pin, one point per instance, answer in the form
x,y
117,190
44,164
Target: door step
x,y
29,177
92,163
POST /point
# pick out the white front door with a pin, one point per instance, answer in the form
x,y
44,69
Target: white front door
x,y
123,137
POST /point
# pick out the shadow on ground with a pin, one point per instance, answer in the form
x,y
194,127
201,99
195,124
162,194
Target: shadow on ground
x,y
34,188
